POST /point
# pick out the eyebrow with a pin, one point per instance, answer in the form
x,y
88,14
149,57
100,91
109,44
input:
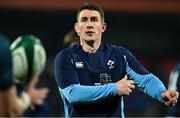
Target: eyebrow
x,y
93,17
84,17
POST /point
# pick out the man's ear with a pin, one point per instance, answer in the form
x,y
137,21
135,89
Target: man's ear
x,y
76,27
104,26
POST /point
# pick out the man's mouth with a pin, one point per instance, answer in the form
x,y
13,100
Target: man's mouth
x,y
89,33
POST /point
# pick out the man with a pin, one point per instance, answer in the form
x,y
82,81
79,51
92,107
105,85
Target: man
x,y
174,84
92,76
11,104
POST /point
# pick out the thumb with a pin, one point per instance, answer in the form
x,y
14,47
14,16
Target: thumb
x,y
165,96
125,77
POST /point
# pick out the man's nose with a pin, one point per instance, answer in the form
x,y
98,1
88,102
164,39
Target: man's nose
x,y
89,24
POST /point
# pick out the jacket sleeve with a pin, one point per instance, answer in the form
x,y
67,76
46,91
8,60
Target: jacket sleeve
x,y
147,82
77,93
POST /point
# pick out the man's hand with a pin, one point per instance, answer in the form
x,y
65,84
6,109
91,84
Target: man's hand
x,y
125,86
170,97
37,94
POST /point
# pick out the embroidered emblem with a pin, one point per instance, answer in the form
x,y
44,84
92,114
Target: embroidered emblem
x,y
79,65
110,63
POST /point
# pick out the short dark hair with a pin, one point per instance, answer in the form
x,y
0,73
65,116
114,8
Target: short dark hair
x,y
91,6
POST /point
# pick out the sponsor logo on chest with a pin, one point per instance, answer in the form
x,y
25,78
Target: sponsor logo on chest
x,y
79,65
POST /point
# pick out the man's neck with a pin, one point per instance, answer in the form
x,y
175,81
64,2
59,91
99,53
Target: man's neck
x,y
90,48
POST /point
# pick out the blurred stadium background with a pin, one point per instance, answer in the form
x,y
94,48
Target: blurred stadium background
x,y
148,28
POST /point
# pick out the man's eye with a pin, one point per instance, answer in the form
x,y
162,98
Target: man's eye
x,y
95,20
83,20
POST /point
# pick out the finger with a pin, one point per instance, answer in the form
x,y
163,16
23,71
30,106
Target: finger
x,y
173,93
34,80
177,94
174,103
174,100
129,90
173,96
132,86
127,93
43,92
131,81
39,101
167,103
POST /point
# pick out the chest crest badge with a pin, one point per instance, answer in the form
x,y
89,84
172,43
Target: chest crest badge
x,y
110,63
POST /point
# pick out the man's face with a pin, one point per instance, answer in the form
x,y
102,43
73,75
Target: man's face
x,y
89,25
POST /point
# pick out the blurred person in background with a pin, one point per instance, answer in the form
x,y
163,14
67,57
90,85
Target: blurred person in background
x,y
92,77
70,38
32,54
174,84
11,105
